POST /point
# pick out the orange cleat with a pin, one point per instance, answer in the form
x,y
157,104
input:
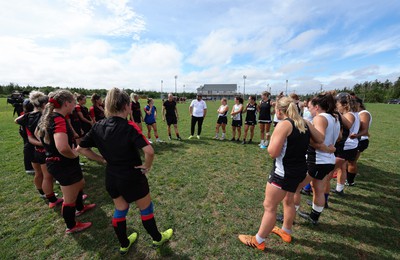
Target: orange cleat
x,y
280,232
252,242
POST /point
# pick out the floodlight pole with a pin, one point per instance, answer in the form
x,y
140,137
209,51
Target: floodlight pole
x,y
286,86
244,85
176,76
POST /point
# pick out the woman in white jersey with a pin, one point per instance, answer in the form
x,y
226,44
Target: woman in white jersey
x,y
363,136
288,147
236,114
320,158
347,107
222,118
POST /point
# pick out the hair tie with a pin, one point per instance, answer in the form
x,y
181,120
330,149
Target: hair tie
x,y
55,103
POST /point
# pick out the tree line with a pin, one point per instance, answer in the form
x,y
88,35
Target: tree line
x,y
370,91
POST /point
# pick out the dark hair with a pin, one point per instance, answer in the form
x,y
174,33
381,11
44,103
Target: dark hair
x,y
346,101
79,97
252,98
240,99
95,97
27,106
360,102
326,101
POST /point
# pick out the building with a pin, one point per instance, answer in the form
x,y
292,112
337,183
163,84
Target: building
x,y
217,91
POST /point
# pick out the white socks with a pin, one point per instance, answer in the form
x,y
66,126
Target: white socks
x,y
297,207
339,187
317,208
289,231
259,239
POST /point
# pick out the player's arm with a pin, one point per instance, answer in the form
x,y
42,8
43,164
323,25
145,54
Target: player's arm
x,y
278,138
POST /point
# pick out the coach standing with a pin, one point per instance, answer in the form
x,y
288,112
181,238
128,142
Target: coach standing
x,y
198,111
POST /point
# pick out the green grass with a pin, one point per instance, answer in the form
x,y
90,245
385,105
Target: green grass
x,y
209,192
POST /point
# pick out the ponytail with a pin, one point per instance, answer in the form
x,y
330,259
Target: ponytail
x,y
57,99
287,106
45,121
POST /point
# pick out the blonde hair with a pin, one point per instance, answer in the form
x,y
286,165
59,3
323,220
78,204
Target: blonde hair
x,y
61,96
37,99
133,95
288,107
115,101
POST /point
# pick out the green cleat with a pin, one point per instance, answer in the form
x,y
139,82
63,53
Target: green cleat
x,y
132,239
165,236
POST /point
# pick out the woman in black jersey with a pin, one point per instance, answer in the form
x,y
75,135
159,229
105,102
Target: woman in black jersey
x,y
118,141
288,147
83,113
97,110
264,118
29,149
43,180
62,159
136,113
251,119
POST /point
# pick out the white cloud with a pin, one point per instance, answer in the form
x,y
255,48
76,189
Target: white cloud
x,y
100,43
304,39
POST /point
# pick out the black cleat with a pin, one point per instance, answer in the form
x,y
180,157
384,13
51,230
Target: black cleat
x,y
307,217
340,193
306,192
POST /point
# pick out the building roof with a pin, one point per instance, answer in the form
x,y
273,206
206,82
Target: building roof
x,y
218,87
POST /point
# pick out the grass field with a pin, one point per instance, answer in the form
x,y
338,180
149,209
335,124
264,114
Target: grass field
x,y
208,191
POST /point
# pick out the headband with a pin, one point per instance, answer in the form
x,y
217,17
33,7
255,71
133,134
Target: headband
x,y
55,103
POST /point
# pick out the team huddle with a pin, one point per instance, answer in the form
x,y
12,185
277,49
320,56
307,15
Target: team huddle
x,y
310,144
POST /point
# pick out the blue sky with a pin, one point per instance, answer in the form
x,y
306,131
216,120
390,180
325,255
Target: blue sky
x,y
138,44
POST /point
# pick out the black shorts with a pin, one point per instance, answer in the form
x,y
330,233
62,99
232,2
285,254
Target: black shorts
x,y
287,183
363,145
237,123
171,120
319,171
150,123
137,119
222,120
348,155
261,121
130,190
250,122
39,156
65,174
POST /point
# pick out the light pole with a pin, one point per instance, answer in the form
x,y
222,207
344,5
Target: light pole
x,y
183,89
286,86
175,83
244,85
161,88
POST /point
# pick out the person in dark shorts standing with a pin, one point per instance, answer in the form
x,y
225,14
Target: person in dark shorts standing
x,y
97,110
236,115
83,113
363,136
251,119
320,158
136,113
346,105
43,179
170,112
222,120
264,118
118,141
288,147
62,159
29,149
